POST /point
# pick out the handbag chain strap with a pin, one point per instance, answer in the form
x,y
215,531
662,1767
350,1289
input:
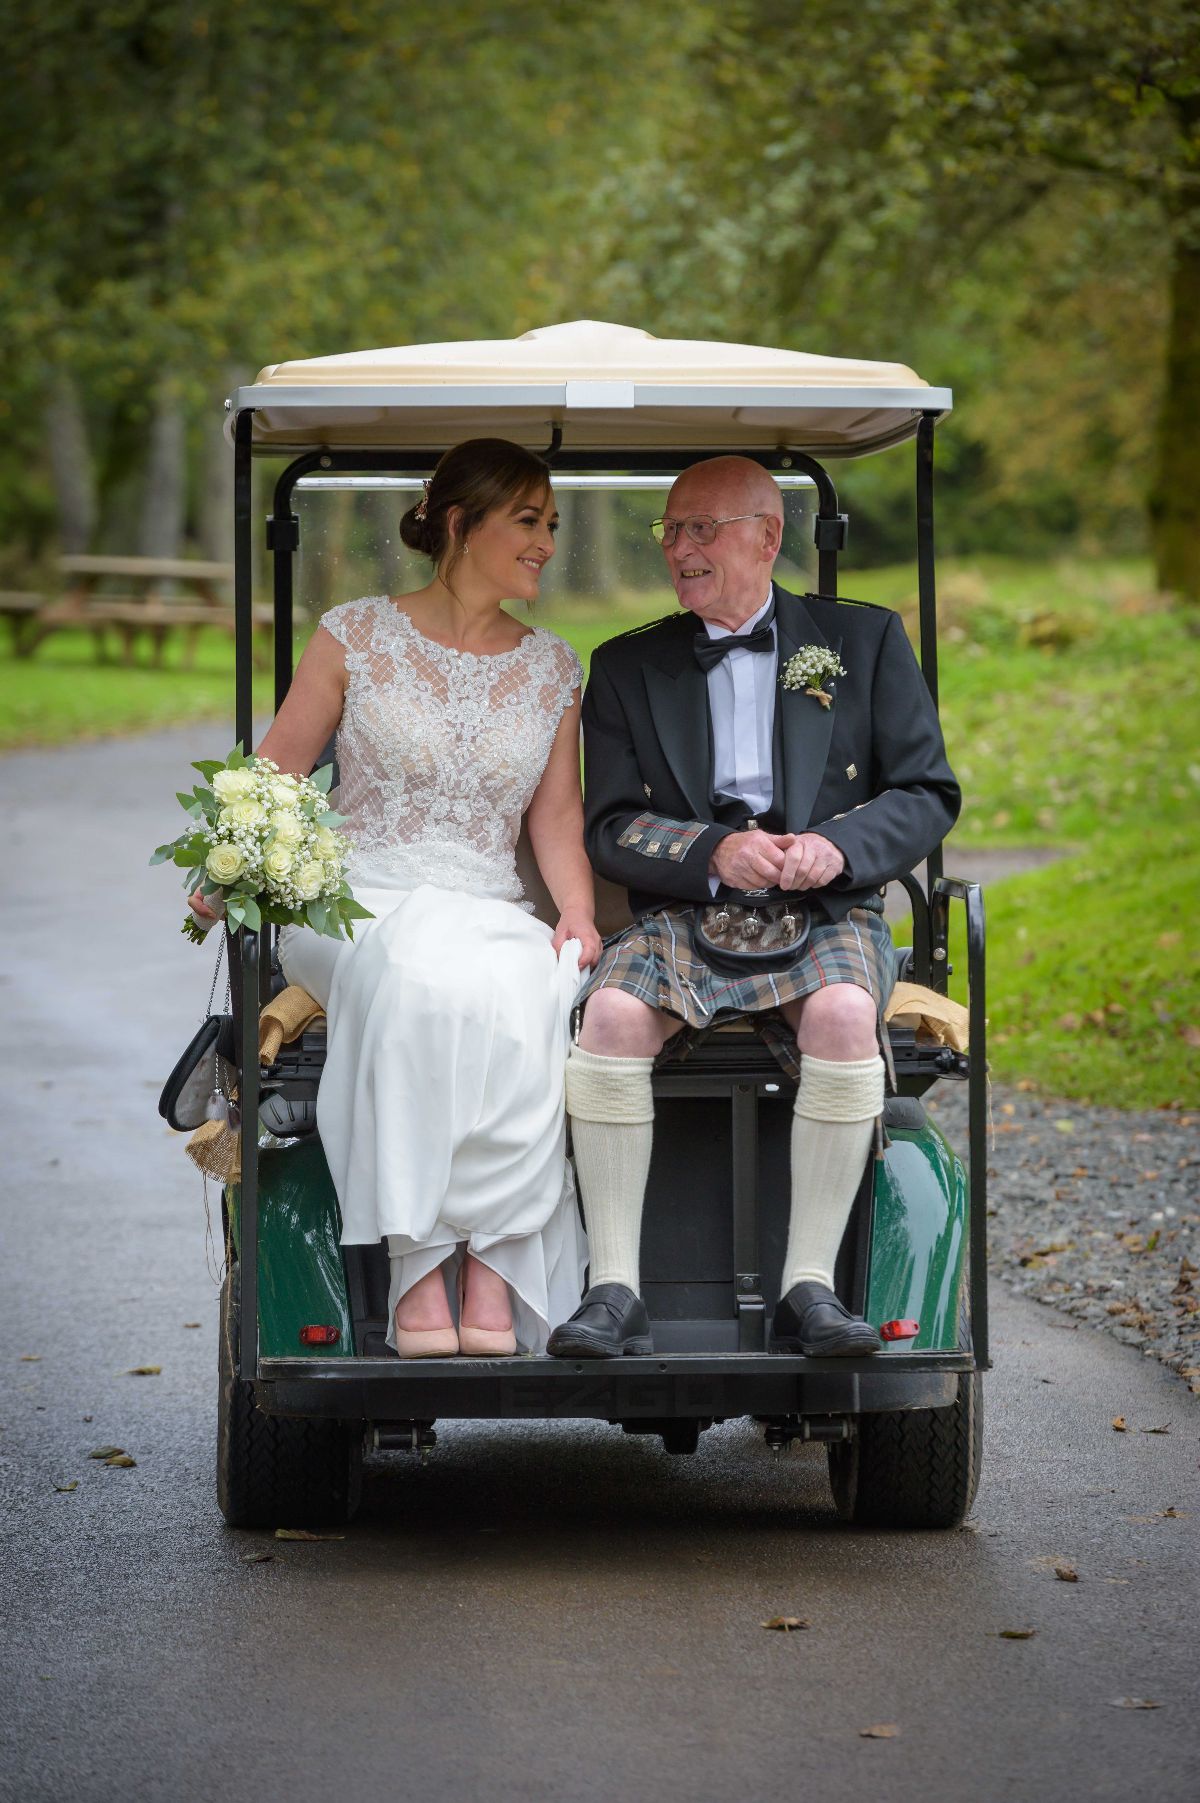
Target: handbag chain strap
x,y
216,974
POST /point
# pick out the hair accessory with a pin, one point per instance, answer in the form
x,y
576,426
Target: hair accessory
x,y
422,507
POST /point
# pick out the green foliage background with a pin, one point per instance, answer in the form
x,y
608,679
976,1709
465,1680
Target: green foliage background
x,y
1006,197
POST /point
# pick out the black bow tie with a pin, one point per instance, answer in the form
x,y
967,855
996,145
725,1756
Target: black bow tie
x,y
709,652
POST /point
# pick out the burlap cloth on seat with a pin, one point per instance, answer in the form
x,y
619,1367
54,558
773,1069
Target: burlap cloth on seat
x,y
934,1017
215,1147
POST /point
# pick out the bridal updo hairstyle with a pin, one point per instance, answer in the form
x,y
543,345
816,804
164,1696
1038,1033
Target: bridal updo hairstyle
x,y
477,476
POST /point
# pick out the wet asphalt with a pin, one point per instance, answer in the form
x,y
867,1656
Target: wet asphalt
x,y
539,1611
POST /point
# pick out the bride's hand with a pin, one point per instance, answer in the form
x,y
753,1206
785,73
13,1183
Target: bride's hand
x,y
199,906
583,928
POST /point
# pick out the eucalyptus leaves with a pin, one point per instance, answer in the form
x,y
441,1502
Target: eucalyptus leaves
x,y
266,846
810,669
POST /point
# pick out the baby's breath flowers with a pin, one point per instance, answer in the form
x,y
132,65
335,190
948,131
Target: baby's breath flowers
x,y
810,669
266,845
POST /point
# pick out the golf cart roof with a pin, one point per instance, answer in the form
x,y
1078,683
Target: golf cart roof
x,y
604,386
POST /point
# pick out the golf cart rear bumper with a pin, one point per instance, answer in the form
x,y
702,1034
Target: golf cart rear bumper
x,y
692,1385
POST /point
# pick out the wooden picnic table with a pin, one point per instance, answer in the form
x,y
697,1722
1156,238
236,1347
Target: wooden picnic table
x,y
156,596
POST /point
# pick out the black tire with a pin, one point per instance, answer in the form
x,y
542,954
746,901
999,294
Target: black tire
x,y
274,1471
915,1468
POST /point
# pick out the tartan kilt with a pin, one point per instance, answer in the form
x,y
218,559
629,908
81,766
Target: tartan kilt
x,y
654,960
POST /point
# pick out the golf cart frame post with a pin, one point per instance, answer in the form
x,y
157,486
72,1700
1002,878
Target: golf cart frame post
x,y
374,1392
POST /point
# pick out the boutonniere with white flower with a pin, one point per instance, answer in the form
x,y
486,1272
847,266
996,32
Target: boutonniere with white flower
x,y
810,669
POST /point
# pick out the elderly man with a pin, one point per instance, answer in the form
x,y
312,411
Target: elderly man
x,y
710,762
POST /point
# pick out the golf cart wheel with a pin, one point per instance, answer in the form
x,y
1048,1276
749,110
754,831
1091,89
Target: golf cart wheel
x,y
273,1471
915,1468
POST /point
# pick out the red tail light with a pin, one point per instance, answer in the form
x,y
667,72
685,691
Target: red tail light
x,y
320,1336
899,1330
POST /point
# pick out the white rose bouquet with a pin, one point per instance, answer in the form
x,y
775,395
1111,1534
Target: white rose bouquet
x,y
266,846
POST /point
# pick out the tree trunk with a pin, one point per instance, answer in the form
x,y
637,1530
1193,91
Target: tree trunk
x,y
384,545
71,466
215,501
164,492
1175,496
589,528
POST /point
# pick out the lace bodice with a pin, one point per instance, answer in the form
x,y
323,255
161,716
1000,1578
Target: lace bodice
x,y
440,751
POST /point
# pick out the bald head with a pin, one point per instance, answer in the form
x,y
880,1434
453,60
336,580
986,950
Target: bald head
x,y
728,580
738,483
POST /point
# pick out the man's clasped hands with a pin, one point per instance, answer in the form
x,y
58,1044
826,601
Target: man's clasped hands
x,y
759,860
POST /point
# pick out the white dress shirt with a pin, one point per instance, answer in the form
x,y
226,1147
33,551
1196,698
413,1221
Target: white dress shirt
x,y
741,701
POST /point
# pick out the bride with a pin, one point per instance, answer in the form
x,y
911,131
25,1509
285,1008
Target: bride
x,y
441,1103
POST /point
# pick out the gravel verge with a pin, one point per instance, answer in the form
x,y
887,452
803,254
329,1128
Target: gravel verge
x,y
1095,1211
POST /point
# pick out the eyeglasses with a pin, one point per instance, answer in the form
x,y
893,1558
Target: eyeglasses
x,y
701,528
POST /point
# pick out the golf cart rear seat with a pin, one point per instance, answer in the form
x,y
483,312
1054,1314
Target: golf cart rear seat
x,y
734,1047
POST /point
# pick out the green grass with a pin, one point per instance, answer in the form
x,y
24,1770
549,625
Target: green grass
x,y
1070,698
62,694
1093,980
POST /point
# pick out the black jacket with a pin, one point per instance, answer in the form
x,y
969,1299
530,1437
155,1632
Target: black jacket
x,y
869,773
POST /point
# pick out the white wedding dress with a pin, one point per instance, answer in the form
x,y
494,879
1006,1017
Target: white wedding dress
x,y
441,1102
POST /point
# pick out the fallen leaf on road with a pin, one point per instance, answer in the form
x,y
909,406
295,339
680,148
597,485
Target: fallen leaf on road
x,y
123,1460
66,1489
1119,1424
1164,1429
1175,1514
881,1731
105,1452
786,1624
304,1534
31,1358
1135,1703
257,1558
1066,1574
1017,1633
86,1417
191,1324
144,1371
1062,1125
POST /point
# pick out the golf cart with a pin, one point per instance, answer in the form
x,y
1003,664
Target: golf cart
x,y
306,1380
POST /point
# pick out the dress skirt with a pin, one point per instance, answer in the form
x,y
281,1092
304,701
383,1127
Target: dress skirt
x,y
441,1103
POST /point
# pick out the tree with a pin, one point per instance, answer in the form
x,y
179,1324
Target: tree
x,y
863,168
192,186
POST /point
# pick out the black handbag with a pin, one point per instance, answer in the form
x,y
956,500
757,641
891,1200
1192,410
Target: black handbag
x,y
747,932
201,1085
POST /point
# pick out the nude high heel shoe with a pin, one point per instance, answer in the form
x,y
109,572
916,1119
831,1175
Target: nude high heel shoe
x,y
481,1342
425,1342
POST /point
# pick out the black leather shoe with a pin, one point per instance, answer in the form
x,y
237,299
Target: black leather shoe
x,y
810,1319
609,1322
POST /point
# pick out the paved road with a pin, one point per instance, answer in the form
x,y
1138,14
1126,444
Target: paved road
x,y
551,1611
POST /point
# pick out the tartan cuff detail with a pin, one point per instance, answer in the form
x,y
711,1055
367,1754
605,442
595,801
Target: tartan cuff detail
x,y
655,837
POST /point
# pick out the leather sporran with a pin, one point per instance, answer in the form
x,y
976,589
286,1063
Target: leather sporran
x,y
747,932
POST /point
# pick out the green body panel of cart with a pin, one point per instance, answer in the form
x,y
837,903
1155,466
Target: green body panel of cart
x,y
301,1276
919,1238
917,1243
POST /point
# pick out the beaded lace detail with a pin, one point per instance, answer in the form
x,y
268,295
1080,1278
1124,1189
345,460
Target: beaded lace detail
x,y
440,751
